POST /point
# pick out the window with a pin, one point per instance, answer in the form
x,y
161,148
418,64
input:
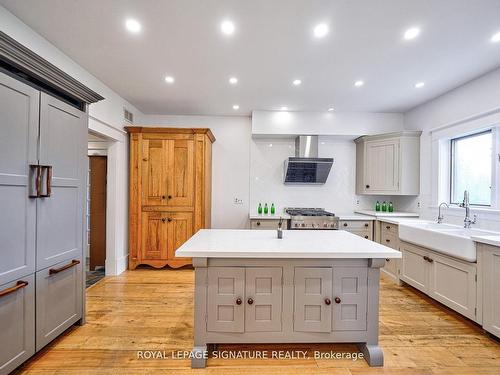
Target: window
x,y
471,168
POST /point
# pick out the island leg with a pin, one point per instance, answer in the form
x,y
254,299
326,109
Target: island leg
x,y
373,354
199,359
200,350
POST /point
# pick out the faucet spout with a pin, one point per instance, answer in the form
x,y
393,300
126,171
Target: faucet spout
x,y
466,204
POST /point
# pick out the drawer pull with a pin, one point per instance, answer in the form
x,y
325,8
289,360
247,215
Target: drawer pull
x,y
387,240
250,301
337,300
387,227
387,260
366,225
258,223
20,284
367,186
169,197
163,219
238,301
73,263
328,301
169,219
366,237
345,224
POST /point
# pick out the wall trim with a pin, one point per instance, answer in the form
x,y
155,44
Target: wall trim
x,y
14,53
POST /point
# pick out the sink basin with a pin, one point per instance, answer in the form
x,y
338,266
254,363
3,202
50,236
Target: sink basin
x,y
448,239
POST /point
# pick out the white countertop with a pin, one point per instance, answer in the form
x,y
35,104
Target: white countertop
x,y
242,243
378,214
355,216
490,240
255,216
402,220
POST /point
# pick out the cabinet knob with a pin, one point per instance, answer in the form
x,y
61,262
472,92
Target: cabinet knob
x,y
426,257
367,186
169,219
327,301
250,301
345,224
163,219
169,197
388,227
337,300
366,225
387,240
238,301
387,260
258,222
366,237
162,197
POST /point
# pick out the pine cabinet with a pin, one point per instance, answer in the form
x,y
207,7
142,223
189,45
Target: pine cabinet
x,y
170,192
388,164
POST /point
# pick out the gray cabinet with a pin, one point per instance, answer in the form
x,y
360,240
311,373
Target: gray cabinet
x,y
414,267
490,259
267,224
313,298
389,237
350,298
17,323
19,106
58,300
362,228
388,164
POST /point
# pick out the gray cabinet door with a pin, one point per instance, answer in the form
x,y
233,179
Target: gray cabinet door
x,y
226,299
350,297
17,323
490,257
313,290
58,300
414,268
264,291
60,217
18,149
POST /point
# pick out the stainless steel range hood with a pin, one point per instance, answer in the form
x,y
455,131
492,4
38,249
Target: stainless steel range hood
x,y
306,167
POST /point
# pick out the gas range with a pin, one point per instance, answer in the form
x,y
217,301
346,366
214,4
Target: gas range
x,y
312,218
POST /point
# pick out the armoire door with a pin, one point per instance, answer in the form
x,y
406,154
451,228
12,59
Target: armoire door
x,y
60,210
154,245
19,105
180,174
154,169
180,229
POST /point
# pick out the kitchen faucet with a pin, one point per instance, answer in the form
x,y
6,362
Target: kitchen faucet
x,y
441,217
465,204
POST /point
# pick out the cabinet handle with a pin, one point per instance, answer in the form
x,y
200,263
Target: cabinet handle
x,y
337,300
328,301
367,186
20,284
48,183
38,181
258,223
163,219
73,263
345,224
169,219
366,237
387,260
430,260
238,301
387,240
387,227
366,225
250,301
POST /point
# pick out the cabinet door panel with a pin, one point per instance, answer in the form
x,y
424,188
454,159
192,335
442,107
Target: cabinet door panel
x,y
154,172
180,172
312,287
63,132
58,301
350,285
264,287
491,278
19,105
453,284
17,324
225,286
414,268
180,229
382,166
154,244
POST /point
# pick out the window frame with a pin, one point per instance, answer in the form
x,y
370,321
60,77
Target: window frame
x,y
494,151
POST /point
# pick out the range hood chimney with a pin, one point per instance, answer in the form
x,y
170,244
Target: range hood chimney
x,y
306,167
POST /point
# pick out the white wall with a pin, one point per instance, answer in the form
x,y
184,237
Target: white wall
x,y
471,101
106,118
230,163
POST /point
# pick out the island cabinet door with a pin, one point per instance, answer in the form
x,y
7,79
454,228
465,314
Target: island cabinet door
x,y
349,298
263,299
313,293
226,295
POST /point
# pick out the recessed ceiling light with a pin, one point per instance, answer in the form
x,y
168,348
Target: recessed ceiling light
x,y
236,107
169,79
133,26
320,30
297,82
331,109
411,33
284,108
227,27
419,85
496,37
359,83
233,80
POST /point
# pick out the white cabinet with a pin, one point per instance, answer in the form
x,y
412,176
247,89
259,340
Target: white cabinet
x,y
360,228
490,260
449,281
266,223
388,164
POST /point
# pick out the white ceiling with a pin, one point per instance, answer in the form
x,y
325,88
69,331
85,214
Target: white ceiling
x,y
272,45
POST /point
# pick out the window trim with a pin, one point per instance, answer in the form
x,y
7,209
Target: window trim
x,y
452,169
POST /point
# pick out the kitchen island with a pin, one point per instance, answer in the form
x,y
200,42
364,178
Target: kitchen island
x,y
309,287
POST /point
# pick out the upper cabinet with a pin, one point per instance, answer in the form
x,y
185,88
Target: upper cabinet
x,y
388,164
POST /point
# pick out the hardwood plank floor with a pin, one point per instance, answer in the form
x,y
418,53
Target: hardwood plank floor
x,y
153,310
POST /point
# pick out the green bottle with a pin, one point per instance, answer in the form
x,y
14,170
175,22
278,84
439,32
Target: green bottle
x,y
259,210
266,210
391,207
377,206
384,206
273,210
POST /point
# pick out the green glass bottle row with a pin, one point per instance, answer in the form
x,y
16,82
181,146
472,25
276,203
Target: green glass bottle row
x,y
384,207
265,210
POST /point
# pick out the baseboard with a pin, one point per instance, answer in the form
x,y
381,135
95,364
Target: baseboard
x,y
115,267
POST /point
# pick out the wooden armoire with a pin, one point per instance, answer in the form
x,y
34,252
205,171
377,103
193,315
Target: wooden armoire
x,y
170,191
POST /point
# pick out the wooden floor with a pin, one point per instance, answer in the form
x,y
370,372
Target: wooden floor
x,y
153,310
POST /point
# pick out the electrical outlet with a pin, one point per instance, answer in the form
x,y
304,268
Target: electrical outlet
x,y
238,201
